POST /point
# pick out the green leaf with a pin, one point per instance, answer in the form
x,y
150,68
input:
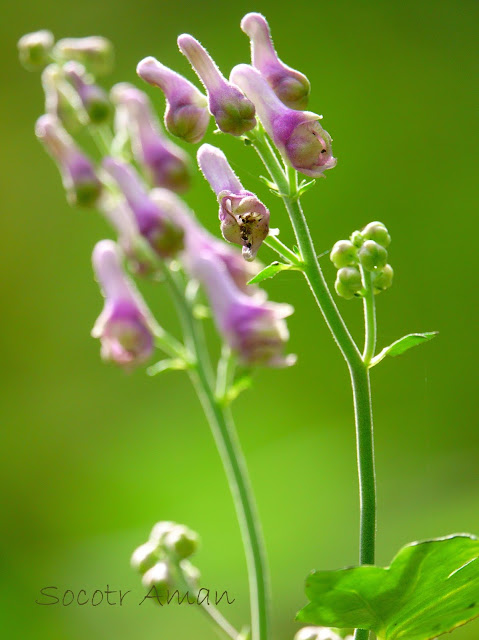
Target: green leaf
x,y
304,186
270,271
430,588
241,384
175,364
404,344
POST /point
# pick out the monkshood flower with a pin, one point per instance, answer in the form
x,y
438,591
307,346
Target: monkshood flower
x,y
93,98
186,114
165,237
291,87
124,326
34,49
79,178
232,111
302,142
198,240
244,219
254,328
167,164
61,99
94,52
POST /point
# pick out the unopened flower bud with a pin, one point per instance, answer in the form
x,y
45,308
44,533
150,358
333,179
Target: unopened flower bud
x,y
144,557
186,114
160,530
191,573
181,541
244,218
382,279
165,237
302,142
167,164
94,52
372,256
377,231
344,254
291,87
94,99
125,325
159,576
348,282
34,49
79,177
232,111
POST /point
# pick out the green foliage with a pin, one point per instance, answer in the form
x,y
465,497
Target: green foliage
x,y
270,271
430,588
174,364
404,344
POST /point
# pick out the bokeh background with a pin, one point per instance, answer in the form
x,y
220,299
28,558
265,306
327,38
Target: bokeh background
x,y
92,457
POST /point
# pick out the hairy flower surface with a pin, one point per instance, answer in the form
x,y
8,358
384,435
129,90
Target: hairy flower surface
x,y
79,177
244,218
232,111
167,164
123,327
186,114
291,87
303,143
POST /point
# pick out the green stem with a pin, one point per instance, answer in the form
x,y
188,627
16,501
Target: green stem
x,y
224,433
281,249
369,318
358,368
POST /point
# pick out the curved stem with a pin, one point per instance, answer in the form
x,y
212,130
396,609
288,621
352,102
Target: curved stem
x,y
224,433
281,249
369,318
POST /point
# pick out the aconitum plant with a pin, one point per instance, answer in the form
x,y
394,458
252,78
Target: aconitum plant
x,y
136,181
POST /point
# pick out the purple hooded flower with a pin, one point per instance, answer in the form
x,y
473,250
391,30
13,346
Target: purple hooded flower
x,y
79,178
244,219
124,326
291,87
302,142
167,164
165,237
233,112
93,98
186,114
254,328
197,240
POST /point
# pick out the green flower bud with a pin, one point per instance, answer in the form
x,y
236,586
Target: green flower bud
x,y
144,557
181,541
383,279
357,238
344,254
34,49
377,231
158,576
191,573
348,282
95,52
160,530
372,256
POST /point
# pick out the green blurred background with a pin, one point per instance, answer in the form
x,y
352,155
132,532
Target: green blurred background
x,y
92,457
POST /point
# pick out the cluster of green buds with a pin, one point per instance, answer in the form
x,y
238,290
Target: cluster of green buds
x,y
163,560
364,253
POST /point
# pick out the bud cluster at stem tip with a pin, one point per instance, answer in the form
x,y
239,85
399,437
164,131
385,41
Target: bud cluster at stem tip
x,y
365,250
163,559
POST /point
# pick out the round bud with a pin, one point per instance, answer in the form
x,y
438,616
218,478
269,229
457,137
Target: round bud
x,y
181,541
344,254
316,633
34,49
377,231
158,576
383,279
372,256
144,557
191,573
348,282
160,530
357,238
